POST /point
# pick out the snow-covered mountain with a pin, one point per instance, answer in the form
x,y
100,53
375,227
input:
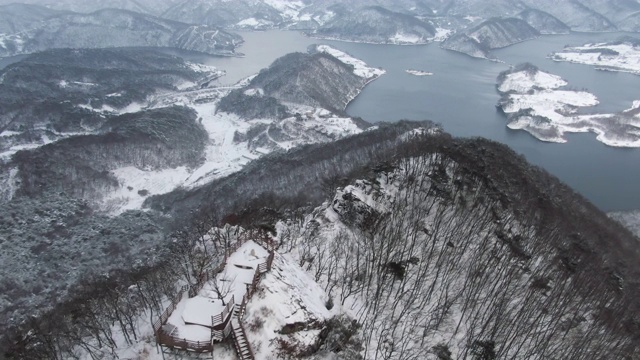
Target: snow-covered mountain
x,y
114,28
375,25
326,78
254,14
413,18
575,14
17,17
491,34
543,22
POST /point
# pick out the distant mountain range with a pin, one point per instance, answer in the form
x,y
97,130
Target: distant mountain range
x,y
578,15
31,28
474,26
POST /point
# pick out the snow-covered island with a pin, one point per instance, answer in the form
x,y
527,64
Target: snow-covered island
x,y
539,103
418,72
622,55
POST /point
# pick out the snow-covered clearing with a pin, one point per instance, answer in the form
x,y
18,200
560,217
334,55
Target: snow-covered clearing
x,y
441,34
402,38
619,56
536,102
254,23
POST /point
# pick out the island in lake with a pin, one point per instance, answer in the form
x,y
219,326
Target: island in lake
x,y
622,55
540,103
418,72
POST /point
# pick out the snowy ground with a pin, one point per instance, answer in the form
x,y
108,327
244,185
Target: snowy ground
x,y
536,102
287,295
618,56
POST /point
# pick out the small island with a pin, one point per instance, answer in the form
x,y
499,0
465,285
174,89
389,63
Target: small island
x,y
418,72
622,55
540,103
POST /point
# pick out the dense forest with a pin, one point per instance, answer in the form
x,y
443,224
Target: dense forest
x,y
530,267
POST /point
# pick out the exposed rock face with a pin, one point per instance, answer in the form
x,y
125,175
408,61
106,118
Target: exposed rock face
x,y
543,22
491,34
116,28
377,25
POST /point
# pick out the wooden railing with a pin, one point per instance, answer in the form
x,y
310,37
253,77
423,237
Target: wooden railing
x,y
219,335
184,344
239,332
222,317
169,310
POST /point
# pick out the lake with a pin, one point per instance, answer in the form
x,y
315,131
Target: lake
x,y
461,96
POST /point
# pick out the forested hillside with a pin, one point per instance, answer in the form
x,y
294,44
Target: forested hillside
x,y
432,244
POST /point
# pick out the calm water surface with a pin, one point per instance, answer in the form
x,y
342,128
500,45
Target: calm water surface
x,y
461,96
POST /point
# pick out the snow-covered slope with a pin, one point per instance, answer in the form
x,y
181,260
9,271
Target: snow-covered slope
x,y
574,14
543,22
426,260
491,34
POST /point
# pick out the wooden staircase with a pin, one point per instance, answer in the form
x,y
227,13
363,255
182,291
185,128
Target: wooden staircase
x,y
243,348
